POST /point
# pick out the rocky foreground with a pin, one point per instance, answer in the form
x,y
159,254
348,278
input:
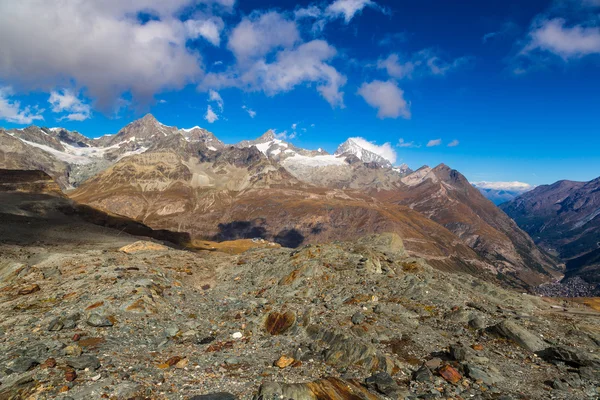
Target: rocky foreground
x,y
89,312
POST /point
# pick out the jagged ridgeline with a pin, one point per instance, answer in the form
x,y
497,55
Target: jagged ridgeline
x,y
187,180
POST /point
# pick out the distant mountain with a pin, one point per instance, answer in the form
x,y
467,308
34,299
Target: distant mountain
x,y
564,218
501,192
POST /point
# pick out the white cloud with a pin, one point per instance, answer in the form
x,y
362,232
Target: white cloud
x,y
403,143
385,150
101,46
250,112
348,8
285,135
210,29
514,186
214,96
453,143
434,143
210,115
424,62
11,111
306,63
567,42
294,126
65,101
387,98
258,35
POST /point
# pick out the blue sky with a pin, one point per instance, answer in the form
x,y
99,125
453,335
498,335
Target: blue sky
x,y
514,86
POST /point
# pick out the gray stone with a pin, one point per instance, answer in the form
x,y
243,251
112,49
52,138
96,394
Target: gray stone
x,y
384,384
98,321
23,364
478,374
423,374
559,385
358,318
477,322
83,362
70,322
55,325
519,335
569,356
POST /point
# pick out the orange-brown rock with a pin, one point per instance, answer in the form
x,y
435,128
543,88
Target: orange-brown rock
x,y
284,362
279,323
450,374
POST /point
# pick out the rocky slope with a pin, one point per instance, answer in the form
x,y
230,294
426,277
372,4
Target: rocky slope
x,y
564,218
89,312
445,196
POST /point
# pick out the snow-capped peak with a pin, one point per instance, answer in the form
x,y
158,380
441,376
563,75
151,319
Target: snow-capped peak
x,y
359,148
191,129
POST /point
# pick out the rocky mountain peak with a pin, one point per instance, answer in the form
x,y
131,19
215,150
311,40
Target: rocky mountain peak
x,y
268,136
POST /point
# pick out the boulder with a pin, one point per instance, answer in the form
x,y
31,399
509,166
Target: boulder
x,y
519,335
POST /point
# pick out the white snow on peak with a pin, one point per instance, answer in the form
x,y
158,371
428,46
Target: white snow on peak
x,y
191,129
315,161
514,186
264,147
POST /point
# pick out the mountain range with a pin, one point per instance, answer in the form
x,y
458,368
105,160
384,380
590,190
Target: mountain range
x,y
187,180
564,219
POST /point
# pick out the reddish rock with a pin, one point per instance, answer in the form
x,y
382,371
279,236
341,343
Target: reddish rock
x,y
76,337
450,374
70,375
49,363
278,324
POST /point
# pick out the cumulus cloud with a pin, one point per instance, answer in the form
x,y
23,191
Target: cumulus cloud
x,y
65,101
434,143
250,111
348,8
102,46
210,29
411,144
345,9
386,97
210,115
424,62
453,143
306,63
567,42
385,150
11,110
214,96
257,35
